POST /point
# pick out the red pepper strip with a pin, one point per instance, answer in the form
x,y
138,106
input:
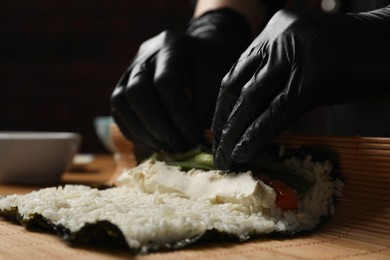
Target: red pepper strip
x,y
286,197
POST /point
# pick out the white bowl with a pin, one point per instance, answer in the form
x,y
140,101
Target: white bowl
x,y
36,158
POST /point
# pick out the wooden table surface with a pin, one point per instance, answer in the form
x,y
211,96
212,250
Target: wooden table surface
x,y
358,231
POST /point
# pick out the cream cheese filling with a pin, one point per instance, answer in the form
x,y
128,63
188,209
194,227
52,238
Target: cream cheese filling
x,y
215,186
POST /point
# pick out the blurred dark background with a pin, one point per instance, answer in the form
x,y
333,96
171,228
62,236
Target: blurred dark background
x,y
60,60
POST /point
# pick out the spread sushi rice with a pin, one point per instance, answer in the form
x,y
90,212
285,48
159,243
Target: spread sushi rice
x,y
160,206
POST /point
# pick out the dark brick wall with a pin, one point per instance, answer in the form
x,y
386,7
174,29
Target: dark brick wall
x,y
60,60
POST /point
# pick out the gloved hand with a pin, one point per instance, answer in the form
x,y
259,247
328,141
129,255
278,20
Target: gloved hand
x,y
166,98
299,62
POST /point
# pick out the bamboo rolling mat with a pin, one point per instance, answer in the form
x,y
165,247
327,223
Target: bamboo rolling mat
x,y
359,230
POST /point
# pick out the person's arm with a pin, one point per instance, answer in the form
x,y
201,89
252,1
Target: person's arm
x,y
254,10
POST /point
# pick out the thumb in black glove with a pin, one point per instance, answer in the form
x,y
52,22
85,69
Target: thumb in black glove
x,y
299,62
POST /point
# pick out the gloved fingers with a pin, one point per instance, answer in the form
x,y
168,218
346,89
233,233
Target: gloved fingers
x,y
286,107
254,98
144,101
271,122
231,88
171,81
130,126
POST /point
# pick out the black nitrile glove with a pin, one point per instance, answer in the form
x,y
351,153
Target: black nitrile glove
x,y
167,96
299,62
